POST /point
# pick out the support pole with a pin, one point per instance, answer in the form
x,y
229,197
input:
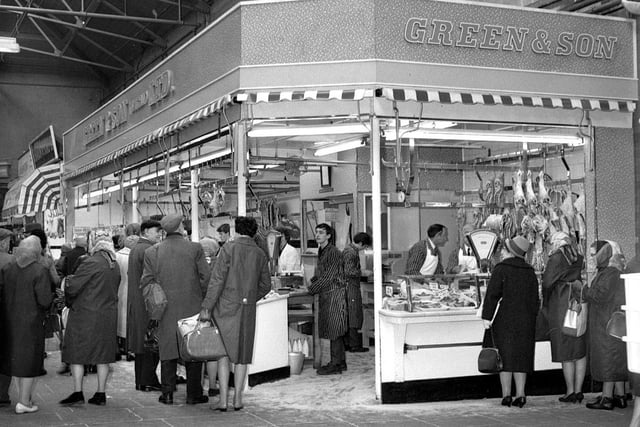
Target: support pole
x,y
240,154
376,201
134,204
195,181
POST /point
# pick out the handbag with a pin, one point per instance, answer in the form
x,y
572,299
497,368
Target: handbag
x,y
155,300
575,318
489,360
199,341
617,324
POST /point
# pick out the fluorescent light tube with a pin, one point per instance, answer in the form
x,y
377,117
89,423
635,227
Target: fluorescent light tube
x,y
479,136
338,129
338,147
9,45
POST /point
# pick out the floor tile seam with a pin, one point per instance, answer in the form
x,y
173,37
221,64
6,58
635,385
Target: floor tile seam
x,y
260,418
425,422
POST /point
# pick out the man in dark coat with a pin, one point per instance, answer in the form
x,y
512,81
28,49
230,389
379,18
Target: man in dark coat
x,y
5,258
138,319
330,283
352,272
181,270
71,258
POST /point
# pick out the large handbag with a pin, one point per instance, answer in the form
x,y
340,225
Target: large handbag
x,y
617,324
198,341
575,318
155,300
489,360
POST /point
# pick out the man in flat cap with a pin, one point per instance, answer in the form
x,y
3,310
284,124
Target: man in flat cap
x,y
146,361
5,258
181,269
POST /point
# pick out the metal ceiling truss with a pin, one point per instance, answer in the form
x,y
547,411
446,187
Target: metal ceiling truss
x,y
61,42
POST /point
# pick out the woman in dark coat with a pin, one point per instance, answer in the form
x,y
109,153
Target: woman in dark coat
x,y
26,296
513,292
607,355
90,339
564,267
239,279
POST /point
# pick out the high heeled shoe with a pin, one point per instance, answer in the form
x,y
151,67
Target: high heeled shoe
x,y
506,401
519,401
569,398
579,397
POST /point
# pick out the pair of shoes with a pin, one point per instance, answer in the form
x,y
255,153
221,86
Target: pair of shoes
x,y
23,409
358,349
148,387
506,401
329,369
181,380
166,398
75,397
619,401
98,399
64,370
213,392
197,400
519,401
568,398
579,397
601,402
218,408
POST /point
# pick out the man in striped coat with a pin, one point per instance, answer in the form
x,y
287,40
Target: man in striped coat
x,y
329,282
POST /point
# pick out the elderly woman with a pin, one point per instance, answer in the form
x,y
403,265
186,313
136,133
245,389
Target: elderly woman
x,y
240,278
25,292
510,308
92,296
564,267
607,355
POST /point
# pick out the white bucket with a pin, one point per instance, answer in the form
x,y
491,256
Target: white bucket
x,y
632,290
296,361
633,354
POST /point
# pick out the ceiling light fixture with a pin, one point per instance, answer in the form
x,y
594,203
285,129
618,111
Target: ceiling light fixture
x,y
161,172
480,136
338,129
340,146
9,45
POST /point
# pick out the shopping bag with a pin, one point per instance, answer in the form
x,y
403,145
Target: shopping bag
x,y
489,360
575,318
155,300
199,341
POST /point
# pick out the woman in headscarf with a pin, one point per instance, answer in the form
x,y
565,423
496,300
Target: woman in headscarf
x,y
510,308
92,296
607,355
25,292
564,267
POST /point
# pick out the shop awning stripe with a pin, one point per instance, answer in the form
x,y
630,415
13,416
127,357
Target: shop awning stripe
x,y
201,113
40,190
309,95
450,97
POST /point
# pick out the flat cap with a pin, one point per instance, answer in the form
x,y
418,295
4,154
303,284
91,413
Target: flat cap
x,y
170,223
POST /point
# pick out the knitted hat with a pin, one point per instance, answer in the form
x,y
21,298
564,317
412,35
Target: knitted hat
x,y
518,246
171,223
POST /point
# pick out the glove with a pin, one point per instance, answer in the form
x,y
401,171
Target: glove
x,y
486,323
153,324
204,316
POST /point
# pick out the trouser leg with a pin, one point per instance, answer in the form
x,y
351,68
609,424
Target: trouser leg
x,y
5,382
194,374
168,375
149,365
337,351
354,340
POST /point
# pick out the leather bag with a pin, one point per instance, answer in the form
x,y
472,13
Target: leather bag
x,y
155,300
198,341
575,318
489,360
617,324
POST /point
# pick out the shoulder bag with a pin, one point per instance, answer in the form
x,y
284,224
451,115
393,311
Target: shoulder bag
x,y
575,318
155,300
489,360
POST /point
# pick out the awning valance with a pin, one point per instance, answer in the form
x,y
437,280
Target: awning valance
x,y
40,190
168,129
449,97
307,95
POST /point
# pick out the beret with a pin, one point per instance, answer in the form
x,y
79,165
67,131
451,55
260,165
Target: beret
x,y
170,223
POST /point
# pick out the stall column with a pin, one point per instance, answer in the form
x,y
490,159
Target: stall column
x,y
195,231
241,163
376,200
134,204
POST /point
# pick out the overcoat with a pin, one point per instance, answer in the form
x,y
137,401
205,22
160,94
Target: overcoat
x,y
240,278
181,270
92,296
352,273
25,292
514,327
556,283
330,284
137,317
607,355
122,257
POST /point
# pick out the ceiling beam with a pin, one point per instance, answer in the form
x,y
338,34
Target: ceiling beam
x,y
158,40
70,58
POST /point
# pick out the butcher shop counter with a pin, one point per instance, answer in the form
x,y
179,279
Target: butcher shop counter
x,y
433,355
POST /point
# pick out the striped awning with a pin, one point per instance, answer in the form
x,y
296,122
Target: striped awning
x,y
306,95
448,97
169,129
40,190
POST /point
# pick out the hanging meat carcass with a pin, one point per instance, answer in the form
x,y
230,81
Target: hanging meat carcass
x,y
519,200
498,190
532,199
